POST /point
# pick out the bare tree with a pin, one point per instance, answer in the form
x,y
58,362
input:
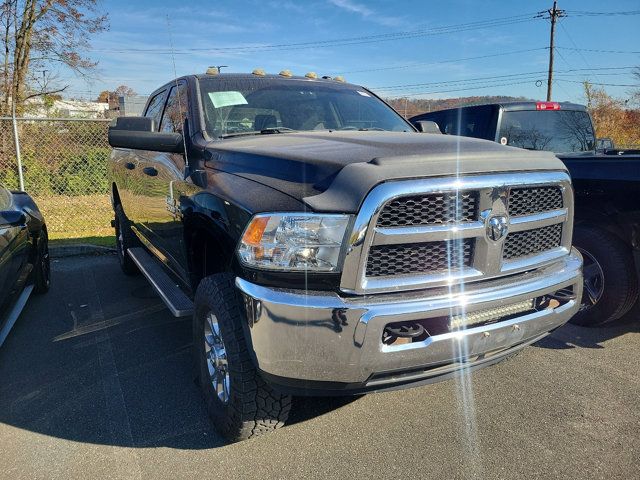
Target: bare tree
x,y
112,97
37,33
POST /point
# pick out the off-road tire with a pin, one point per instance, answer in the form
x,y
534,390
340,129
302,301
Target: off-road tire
x,y
253,407
42,268
125,239
620,278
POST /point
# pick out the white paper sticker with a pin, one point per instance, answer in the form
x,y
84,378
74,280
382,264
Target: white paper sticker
x,y
364,94
226,99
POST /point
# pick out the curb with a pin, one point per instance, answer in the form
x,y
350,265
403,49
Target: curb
x,y
59,251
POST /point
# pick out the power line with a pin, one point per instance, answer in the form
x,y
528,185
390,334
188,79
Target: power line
x,y
493,85
489,85
605,84
498,77
417,64
582,13
456,28
584,59
600,51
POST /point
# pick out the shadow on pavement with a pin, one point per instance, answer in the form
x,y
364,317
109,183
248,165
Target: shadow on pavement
x,y
573,336
99,359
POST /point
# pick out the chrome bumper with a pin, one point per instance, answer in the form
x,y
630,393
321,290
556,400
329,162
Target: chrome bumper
x,y
324,337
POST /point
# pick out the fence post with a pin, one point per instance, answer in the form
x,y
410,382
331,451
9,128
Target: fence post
x,y
17,143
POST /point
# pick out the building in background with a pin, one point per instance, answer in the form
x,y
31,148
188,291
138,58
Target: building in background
x,y
63,108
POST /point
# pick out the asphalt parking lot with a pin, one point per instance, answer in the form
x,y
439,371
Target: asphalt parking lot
x,y
96,382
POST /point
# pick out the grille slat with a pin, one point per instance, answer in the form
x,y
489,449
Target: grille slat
x,y
432,209
528,242
527,201
419,258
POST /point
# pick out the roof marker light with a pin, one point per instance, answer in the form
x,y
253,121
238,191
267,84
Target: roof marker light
x,y
259,72
286,73
212,71
340,78
312,75
547,106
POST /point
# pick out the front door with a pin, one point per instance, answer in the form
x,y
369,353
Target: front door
x,y
164,172
131,172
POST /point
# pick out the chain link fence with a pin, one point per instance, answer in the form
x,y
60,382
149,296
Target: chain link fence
x,y
64,168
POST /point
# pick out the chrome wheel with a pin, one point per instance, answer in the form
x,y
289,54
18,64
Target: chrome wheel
x,y
216,357
593,281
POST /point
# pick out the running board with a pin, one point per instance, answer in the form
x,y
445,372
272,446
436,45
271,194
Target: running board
x,y
177,302
14,313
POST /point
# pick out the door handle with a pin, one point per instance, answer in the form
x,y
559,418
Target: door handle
x,y
152,172
129,166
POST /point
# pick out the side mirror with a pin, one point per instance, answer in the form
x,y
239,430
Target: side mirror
x,y
427,126
12,218
137,133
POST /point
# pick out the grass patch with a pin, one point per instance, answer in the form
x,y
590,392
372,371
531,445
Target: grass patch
x,y
78,219
106,241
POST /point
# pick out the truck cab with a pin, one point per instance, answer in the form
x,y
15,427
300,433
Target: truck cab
x,y
559,127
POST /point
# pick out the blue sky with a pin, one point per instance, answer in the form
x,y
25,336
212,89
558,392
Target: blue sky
x,y
136,51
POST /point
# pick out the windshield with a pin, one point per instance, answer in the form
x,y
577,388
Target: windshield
x,y
235,106
558,131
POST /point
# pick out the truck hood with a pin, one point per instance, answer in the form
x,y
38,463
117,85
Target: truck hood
x,y
307,164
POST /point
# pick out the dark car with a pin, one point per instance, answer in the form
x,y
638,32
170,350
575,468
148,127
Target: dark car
x,y
606,182
24,255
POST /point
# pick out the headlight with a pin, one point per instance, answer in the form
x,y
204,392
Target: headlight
x,y
293,242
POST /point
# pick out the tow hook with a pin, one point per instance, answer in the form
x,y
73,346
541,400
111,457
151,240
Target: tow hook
x,y
404,331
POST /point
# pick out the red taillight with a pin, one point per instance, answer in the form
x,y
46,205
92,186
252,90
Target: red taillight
x,y
547,106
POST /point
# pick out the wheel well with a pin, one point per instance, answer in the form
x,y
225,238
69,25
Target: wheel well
x,y
612,227
206,255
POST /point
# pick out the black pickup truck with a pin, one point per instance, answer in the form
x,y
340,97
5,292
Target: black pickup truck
x,y
323,246
607,189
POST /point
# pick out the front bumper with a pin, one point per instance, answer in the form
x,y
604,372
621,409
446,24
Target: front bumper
x,y
322,341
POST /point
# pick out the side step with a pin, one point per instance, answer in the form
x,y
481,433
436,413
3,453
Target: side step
x,y
177,302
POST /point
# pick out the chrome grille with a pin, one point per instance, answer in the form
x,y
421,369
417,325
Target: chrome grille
x,y
528,242
402,236
430,209
525,201
415,258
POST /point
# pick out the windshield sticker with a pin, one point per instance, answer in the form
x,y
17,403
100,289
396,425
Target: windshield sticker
x,y
226,99
364,94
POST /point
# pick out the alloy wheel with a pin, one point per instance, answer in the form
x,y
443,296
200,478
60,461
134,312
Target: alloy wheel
x,y
593,281
216,357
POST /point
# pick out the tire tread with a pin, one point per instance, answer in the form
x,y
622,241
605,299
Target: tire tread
x,y
619,295
254,407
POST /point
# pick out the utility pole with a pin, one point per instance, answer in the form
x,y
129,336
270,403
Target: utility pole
x,y
554,14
